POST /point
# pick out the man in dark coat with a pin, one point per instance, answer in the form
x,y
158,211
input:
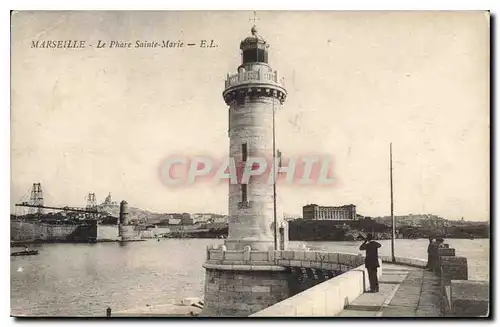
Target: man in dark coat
x,y
371,261
430,253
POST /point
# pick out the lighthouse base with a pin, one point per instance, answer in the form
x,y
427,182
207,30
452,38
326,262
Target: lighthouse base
x,y
239,291
239,283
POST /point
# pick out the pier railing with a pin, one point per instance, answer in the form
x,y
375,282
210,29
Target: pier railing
x,y
298,258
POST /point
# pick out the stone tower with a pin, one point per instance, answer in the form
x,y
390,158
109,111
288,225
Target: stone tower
x,y
242,276
126,231
253,96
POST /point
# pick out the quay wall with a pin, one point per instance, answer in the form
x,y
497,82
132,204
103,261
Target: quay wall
x,y
35,231
154,232
107,232
22,231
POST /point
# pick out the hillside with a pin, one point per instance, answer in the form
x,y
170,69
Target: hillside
x,y
148,217
138,215
429,221
134,213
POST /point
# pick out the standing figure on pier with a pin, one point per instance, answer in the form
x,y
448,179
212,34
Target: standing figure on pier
x,y
371,261
438,244
430,253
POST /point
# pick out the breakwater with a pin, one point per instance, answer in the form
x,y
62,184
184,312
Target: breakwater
x,y
414,290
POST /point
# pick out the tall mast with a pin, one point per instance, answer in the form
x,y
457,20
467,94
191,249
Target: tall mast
x,y
392,209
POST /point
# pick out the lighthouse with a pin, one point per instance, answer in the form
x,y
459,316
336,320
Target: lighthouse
x,y
253,96
241,275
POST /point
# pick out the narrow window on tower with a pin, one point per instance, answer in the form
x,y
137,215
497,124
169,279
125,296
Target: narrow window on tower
x,y
244,193
244,152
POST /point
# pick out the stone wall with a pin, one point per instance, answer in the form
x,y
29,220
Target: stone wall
x,y
302,278
453,268
25,231
240,293
468,298
107,232
412,262
326,299
460,297
318,259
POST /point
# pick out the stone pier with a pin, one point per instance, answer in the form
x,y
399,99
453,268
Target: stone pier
x,y
240,283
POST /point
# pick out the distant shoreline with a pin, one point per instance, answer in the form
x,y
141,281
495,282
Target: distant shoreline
x,y
20,243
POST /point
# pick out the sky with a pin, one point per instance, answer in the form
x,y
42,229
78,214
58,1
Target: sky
x,y
103,120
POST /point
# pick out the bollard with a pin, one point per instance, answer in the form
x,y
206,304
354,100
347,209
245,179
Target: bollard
x,y
108,312
443,253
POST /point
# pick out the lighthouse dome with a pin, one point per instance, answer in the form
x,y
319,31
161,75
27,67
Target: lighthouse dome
x,y
253,41
254,47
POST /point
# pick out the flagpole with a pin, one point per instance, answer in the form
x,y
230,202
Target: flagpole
x,y
392,209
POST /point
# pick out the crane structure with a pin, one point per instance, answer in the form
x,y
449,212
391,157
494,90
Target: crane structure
x,y
36,204
71,209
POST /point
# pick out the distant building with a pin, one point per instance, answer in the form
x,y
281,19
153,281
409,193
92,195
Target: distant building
x,y
201,217
174,221
108,201
289,217
186,219
316,212
109,207
219,220
178,218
